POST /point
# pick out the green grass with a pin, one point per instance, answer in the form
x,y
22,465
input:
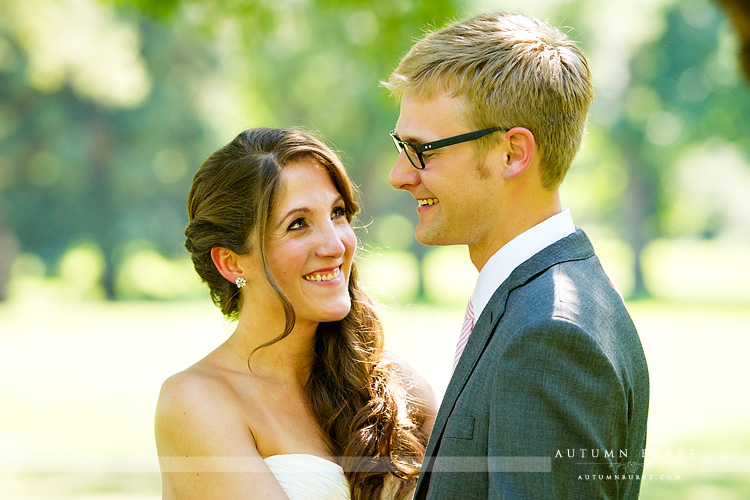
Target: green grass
x,y
79,380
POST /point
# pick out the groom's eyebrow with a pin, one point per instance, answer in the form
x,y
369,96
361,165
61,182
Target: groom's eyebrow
x,y
408,138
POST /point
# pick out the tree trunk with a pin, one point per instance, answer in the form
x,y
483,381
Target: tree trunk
x,y
8,251
101,199
639,203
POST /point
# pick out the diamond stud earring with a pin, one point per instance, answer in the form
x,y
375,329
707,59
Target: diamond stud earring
x,y
240,282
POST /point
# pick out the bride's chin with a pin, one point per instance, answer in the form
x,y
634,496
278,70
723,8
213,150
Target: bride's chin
x,y
338,313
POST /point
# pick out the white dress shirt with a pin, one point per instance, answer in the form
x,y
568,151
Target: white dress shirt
x,y
516,252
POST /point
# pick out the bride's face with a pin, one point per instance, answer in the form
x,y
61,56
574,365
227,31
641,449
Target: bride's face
x,y
311,244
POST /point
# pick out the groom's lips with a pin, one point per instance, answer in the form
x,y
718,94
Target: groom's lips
x,y
426,203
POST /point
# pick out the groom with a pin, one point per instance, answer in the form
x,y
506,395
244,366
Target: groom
x,y
549,394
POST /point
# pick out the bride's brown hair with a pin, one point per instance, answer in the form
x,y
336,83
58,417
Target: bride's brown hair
x,y
356,395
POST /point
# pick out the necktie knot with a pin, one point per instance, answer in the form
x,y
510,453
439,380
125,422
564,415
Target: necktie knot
x,y
469,312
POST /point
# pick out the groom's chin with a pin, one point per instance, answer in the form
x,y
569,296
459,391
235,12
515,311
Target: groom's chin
x,y
426,236
432,237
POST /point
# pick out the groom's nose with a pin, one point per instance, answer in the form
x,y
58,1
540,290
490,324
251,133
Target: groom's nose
x,y
403,174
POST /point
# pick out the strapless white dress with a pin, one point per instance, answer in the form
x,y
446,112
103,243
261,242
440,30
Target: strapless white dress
x,y
309,477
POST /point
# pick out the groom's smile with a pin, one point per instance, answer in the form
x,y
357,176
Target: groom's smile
x,y
427,201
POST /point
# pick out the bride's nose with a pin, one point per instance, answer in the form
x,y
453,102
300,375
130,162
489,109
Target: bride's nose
x,y
330,242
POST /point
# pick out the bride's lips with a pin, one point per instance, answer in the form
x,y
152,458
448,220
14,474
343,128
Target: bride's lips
x,y
323,275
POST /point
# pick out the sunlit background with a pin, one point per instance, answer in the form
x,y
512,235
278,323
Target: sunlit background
x,y
108,107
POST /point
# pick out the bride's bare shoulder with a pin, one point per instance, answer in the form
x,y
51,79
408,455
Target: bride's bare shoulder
x,y
193,386
197,398
201,426
203,384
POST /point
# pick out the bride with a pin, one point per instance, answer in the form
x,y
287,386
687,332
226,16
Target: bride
x,y
300,402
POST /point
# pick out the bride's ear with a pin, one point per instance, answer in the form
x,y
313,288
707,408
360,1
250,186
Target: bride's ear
x,y
227,263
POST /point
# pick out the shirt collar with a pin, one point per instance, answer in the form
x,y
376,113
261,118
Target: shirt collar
x,y
516,252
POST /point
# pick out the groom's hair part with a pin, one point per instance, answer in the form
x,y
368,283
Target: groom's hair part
x,y
514,71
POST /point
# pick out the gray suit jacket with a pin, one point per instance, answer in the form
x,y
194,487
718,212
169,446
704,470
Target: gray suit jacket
x,y
550,397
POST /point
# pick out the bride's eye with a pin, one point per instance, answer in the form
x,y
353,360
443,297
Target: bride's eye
x,y
296,224
338,212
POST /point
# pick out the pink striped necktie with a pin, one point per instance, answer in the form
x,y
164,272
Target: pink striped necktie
x,y
466,329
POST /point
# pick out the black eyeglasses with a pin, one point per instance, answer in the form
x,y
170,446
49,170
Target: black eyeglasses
x,y
414,151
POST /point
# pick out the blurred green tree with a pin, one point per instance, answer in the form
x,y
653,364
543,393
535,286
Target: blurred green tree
x,y
669,95
684,94
108,106
317,64
82,162
96,134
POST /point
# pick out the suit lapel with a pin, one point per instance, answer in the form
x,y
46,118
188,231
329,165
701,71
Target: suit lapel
x,y
574,247
478,340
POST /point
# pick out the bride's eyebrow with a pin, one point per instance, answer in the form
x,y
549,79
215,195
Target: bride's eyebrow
x,y
294,211
306,210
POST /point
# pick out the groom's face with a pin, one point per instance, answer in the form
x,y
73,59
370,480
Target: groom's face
x,y
452,198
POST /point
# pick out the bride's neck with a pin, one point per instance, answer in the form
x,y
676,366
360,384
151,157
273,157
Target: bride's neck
x,y
288,359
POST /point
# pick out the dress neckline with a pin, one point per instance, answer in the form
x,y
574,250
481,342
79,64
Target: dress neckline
x,y
303,455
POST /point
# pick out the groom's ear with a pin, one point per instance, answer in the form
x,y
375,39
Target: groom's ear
x,y
520,151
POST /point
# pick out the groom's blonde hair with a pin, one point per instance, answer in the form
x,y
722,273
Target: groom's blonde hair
x,y
514,71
